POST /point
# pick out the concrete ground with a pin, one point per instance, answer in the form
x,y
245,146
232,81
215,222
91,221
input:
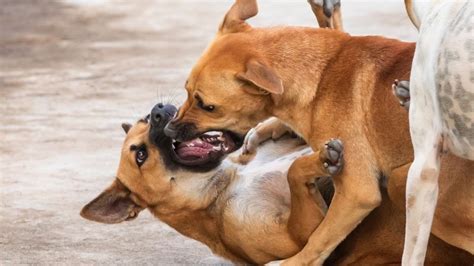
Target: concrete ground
x,y
70,72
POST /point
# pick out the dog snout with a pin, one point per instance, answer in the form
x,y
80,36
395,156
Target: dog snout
x,y
180,131
162,113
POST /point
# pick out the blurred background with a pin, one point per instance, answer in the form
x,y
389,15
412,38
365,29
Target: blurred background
x,y
71,72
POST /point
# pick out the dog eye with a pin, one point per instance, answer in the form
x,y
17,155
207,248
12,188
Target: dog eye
x,y
140,155
207,108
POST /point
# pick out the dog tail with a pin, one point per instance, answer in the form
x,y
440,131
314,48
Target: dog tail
x,y
411,13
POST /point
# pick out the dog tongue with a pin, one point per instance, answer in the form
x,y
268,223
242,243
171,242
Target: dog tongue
x,y
192,149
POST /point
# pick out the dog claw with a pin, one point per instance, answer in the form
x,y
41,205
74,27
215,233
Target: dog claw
x,y
336,145
401,90
251,142
333,156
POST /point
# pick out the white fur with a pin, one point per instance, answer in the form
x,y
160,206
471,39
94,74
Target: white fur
x,y
251,199
442,77
260,200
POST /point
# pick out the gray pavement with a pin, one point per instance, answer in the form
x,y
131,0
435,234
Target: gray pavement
x,y
70,72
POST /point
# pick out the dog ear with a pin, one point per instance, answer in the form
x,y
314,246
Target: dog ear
x,y
126,127
234,20
114,205
263,79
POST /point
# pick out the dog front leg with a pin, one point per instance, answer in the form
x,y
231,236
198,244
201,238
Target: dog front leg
x,y
318,11
307,205
357,193
401,90
337,18
272,128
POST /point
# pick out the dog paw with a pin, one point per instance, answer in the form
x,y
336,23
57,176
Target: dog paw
x,y
251,142
270,129
401,90
332,156
249,148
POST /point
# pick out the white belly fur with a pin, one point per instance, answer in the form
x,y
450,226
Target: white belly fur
x,y
260,201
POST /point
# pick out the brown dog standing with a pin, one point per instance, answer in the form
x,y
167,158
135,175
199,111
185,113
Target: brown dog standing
x,y
341,82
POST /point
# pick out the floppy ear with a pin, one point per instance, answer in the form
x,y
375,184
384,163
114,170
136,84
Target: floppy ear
x,y
262,77
234,20
126,127
112,206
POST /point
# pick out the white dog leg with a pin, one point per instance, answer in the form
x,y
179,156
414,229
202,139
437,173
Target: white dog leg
x,y
422,181
422,195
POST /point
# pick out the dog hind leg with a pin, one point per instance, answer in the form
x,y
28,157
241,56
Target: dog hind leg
x,y
357,193
307,205
422,181
421,195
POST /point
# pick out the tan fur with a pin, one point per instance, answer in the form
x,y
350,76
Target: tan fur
x,y
452,219
340,83
210,207
249,222
334,21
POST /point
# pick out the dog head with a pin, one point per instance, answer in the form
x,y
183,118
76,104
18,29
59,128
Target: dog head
x,y
140,178
232,87
148,166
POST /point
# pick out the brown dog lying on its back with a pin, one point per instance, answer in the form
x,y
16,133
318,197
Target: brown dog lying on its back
x,y
322,84
241,213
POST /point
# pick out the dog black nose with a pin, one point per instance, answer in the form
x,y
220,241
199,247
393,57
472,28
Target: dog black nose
x,y
162,113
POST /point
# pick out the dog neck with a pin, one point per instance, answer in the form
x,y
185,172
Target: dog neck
x,y
195,191
193,206
300,80
332,54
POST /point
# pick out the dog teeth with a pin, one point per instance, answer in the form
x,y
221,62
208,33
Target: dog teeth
x,y
214,133
210,139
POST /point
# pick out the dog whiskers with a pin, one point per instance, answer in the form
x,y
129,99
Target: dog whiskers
x,y
172,98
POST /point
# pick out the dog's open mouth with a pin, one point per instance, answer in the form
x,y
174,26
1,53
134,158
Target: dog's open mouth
x,y
210,146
